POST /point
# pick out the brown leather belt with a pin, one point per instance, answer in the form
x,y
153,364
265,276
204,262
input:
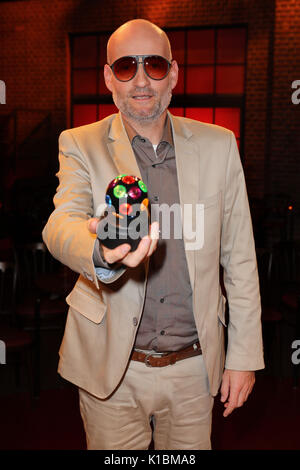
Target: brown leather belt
x,y
165,359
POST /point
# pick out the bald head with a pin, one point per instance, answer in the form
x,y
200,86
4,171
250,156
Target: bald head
x,y
138,37
142,100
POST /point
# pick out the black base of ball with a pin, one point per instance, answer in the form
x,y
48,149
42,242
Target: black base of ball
x,y
111,244
112,236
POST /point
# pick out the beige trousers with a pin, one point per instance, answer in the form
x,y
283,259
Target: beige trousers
x,y
175,398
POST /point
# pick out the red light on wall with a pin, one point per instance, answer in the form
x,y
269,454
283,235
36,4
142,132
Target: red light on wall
x,y
201,47
179,89
85,51
200,114
230,79
200,79
177,111
84,82
84,114
231,45
106,110
229,118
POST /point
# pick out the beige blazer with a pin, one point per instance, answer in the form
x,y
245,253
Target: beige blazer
x,y
103,316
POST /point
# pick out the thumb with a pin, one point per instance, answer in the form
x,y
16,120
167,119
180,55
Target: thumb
x,y
225,387
92,224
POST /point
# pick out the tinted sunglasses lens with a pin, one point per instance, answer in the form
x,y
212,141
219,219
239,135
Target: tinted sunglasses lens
x,y
125,68
156,67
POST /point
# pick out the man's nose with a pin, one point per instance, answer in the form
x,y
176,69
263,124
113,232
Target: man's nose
x,y
141,79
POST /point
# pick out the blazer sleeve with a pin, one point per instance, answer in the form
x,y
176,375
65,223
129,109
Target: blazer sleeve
x,y
238,258
66,234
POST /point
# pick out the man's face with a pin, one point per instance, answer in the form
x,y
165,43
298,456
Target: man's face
x,y
141,99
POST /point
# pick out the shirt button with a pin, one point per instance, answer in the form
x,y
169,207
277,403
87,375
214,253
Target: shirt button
x,y
162,300
162,332
134,321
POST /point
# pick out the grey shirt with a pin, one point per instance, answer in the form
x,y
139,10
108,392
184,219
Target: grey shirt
x,y
167,322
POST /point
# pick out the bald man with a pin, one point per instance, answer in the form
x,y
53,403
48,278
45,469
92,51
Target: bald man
x,y
144,338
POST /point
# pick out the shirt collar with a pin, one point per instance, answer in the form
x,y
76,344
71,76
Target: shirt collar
x,y
167,132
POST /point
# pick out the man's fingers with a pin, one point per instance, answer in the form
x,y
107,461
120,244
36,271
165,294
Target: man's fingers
x,y
154,231
134,258
123,254
154,235
232,402
92,224
232,405
225,388
236,387
145,248
229,409
116,254
236,400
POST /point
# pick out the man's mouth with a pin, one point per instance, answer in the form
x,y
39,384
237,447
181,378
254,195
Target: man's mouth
x,y
141,97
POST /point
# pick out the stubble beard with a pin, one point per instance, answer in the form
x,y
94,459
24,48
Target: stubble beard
x,y
143,117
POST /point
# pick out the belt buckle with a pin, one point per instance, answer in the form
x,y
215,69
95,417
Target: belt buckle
x,y
146,360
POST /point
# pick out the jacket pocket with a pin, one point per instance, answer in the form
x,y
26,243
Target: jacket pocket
x,y
89,306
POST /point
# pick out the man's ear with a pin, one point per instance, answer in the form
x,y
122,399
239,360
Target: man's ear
x,y
108,76
174,74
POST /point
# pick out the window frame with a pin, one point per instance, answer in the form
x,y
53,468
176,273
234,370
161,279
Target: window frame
x,y
184,100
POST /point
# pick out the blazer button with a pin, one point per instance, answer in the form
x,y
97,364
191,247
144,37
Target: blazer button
x,y
135,321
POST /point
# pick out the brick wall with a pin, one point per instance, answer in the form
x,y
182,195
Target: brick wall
x,y
284,155
34,65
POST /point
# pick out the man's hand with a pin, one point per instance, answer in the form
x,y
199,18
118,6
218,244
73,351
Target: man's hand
x,y
236,387
122,253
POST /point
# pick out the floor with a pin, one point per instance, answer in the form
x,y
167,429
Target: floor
x,y
269,420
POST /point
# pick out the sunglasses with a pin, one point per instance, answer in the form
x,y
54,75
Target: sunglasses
x,y
155,66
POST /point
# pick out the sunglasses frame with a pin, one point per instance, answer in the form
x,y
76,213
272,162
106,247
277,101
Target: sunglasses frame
x,y
138,62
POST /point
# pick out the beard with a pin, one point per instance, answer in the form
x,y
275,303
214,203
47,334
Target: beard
x,y
161,103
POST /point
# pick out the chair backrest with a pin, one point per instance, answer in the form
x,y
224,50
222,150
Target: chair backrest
x,y
277,269
33,260
279,218
286,256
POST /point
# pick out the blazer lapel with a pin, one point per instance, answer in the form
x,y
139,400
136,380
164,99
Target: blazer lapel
x,y
120,149
187,163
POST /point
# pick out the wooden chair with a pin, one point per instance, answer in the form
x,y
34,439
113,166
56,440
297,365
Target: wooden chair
x,y
289,254
271,314
41,297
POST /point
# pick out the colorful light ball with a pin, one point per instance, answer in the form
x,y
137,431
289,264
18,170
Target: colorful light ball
x,y
126,195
